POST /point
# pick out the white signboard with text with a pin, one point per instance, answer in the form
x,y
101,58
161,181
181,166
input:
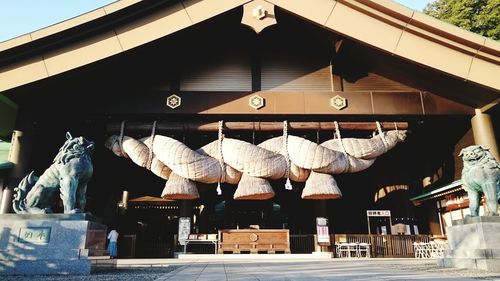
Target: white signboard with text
x,y
378,213
322,231
184,230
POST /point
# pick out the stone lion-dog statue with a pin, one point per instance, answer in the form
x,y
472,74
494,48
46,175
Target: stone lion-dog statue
x,y
481,175
68,175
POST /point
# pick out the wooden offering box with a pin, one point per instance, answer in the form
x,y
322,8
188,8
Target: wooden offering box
x,y
269,241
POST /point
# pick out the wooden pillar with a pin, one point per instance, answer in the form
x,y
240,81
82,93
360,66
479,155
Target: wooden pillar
x,y
185,208
6,203
20,154
203,217
484,134
125,199
320,208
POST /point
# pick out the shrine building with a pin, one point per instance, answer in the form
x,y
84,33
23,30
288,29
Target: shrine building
x,y
243,72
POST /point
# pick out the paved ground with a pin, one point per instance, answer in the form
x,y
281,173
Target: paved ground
x,y
335,269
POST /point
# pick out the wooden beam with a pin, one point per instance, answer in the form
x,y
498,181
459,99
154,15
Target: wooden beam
x,y
114,127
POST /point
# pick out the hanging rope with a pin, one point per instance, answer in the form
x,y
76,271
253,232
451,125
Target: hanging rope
x,y
379,127
288,184
339,137
381,133
150,156
120,139
317,133
220,137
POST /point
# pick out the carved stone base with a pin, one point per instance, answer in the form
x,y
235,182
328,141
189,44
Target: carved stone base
x,y
473,243
49,243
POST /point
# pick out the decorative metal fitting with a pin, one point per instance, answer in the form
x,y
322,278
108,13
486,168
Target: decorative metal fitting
x,y
257,102
338,102
259,12
174,101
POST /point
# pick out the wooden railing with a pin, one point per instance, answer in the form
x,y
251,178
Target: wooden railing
x,y
382,246
301,244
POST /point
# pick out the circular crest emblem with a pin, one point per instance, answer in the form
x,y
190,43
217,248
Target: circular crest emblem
x,y
254,237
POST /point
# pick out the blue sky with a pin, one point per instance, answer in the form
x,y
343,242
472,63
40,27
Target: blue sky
x,y
18,17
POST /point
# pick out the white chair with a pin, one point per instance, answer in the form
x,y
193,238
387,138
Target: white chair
x,y
364,248
343,250
433,250
426,250
353,250
437,249
418,250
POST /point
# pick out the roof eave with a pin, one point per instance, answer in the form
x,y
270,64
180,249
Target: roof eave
x,y
402,32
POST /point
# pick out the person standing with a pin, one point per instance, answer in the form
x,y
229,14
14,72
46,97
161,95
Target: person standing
x,y
112,246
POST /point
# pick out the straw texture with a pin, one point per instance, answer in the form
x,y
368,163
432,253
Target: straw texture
x,y
276,145
239,162
113,144
367,148
178,188
186,162
253,188
321,186
231,175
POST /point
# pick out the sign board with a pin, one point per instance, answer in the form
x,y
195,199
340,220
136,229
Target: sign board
x,y
184,230
322,231
408,230
34,235
383,229
378,213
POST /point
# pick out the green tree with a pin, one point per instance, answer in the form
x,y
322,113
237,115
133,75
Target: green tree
x,y
479,16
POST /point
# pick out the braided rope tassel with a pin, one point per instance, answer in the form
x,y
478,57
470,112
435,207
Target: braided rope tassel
x,y
150,156
288,184
220,136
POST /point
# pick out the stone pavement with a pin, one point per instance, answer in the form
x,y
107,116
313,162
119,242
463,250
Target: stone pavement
x,y
335,269
257,268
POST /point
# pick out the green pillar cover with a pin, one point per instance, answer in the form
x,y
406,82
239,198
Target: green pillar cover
x,y
4,155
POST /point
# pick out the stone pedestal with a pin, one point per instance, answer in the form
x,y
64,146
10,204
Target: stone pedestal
x,y
49,243
473,243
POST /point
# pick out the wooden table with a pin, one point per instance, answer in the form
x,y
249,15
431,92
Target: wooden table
x,y
254,241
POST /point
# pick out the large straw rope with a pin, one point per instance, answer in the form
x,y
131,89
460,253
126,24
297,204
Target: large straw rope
x,y
186,162
178,187
264,160
267,160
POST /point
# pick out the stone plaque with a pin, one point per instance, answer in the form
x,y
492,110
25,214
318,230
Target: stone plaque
x,y
34,235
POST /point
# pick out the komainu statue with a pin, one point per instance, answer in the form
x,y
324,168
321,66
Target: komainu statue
x,y
481,175
68,176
